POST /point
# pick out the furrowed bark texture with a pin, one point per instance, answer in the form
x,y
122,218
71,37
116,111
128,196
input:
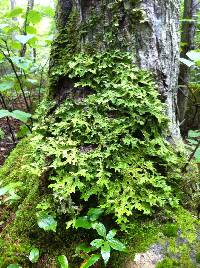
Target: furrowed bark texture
x,y
148,28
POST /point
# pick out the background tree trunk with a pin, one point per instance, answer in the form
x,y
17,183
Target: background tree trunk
x,y
189,23
148,28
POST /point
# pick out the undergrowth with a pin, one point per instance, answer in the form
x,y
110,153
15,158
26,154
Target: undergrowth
x,y
104,147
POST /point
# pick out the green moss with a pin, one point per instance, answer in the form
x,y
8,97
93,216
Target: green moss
x,y
167,263
198,257
20,214
170,230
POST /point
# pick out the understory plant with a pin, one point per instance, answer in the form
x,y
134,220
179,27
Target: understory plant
x,y
103,147
105,144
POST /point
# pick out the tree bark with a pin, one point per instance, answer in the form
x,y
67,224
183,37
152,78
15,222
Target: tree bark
x,y
147,28
30,6
12,3
189,23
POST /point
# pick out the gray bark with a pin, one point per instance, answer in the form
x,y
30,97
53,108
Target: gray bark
x,y
12,3
30,6
151,32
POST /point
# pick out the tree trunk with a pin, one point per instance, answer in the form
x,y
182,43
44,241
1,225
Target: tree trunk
x,y
191,8
148,28
30,6
12,3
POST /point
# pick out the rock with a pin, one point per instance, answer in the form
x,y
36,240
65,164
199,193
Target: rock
x,y
148,259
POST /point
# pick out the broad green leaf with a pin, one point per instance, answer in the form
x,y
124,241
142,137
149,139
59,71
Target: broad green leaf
x,y
3,25
100,228
4,113
193,134
14,266
62,260
94,213
82,222
197,155
14,12
83,247
31,30
97,243
3,191
6,85
116,244
48,11
20,115
47,222
111,234
34,255
14,44
34,17
21,62
187,62
105,252
23,39
193,55
91,261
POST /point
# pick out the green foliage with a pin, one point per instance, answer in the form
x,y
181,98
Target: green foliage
x,y
170,230
14,266
105,243
16,114
46,221
167,263
34,255
63,262
107,140
1,134
19,40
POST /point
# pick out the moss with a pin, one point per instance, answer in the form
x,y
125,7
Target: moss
x,y
170,230
167,263
15,243
20,232
198,257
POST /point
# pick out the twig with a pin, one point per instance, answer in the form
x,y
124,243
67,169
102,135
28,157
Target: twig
x,y
191,156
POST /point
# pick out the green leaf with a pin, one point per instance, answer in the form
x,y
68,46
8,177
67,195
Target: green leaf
x,y
187,62
6,85
3,191
94,213
14,12
82,222
34,17
100,228
193,134
105,252
84,247
31,30
193,55
47,222
91,261
23,39
20,115
4,113
34,255
21,62
116,244
14,266
111,234
197,155
97,243
62,260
